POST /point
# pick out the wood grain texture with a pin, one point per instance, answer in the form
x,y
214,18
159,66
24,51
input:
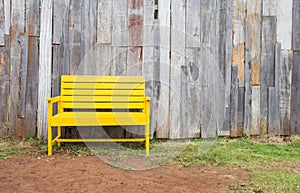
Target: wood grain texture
x,y
177,61
2,23
58,17
4,86
284,14
7,12
267,67
120,23
238,50
247,103
75,28
296,25
193,27
104,21
17,24
273,112
163,127
269,7
286,64
254,15
45,61
33,17
295,100
234,103
241,111
255,114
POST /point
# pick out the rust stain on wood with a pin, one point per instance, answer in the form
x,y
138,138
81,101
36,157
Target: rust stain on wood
x,y
135,22
238,59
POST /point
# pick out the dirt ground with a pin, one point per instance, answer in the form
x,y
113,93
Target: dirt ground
x,y
63,173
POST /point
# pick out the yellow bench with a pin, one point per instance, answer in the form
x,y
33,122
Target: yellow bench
x,y
91,94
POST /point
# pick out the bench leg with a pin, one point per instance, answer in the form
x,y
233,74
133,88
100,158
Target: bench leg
x,y
59,135
49,140
147,138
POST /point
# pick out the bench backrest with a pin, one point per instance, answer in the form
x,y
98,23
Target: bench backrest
x,y
103,92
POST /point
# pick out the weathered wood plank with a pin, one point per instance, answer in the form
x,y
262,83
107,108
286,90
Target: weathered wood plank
x,y
58,17
4,86
286,64
273,114
119,61
295,100
32,17
134,61
192,24
284,15
234,103
120,23
255,114
88,38
267,67
45,61
135,22
228,64
241,111
269,7
191,93
162,129
104,21
247,104
23,76
177,61
75,35
254,15
2,24
104,59
30,121
296,25
17,28
238,50
7,12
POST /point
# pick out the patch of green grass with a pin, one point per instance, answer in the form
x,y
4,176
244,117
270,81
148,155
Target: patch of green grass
x,y
242,153
275,181
8,148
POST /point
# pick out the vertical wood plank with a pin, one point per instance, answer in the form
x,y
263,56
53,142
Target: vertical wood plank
x,y
286,64
23,76
284,13
295,100
238,50
2,23
4,86
192,24
247,104
254,15
234,103
177,61
296,25
119,63
104,60
241,111
273,114
32,17
17,28
75,35
7,12
135,22
104,21
120,23
267,66
269,7
58,6
255,114
30,121
45,61
162,129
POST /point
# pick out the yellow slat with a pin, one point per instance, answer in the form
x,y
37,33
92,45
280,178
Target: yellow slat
x,y
103,92
103,86
99,118
66,105
118,79
101,140
102,99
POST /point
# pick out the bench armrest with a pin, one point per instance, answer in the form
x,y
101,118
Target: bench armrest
x,y
147,99
54,99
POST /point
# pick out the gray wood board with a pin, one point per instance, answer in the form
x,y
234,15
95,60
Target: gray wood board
x,y
296,25
120,23
104,21
273,114
2,24
247,103
193,27
234,103
267,67
295,100
33,17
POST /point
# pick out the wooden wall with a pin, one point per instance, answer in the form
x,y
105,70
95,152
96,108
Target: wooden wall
x,y
213,67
